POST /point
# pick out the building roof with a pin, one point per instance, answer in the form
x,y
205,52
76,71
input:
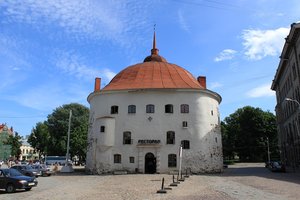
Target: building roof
x,y
154,73
290,41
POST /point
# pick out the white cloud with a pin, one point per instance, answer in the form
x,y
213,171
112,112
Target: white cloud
x,y
110,20
73,65
215,85
261,43
226,54
261,91
182,21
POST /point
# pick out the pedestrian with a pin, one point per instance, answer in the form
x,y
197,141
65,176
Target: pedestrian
x,y
55,169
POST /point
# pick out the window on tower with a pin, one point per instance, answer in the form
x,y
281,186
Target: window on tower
x,y
184,108
169,108
150,108
170,137
114,110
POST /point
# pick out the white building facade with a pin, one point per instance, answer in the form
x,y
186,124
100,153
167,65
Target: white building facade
x,y
141,118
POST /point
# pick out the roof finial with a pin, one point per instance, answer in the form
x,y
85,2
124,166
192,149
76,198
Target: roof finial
x,y
154,50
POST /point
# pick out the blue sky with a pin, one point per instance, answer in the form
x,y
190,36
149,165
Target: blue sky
x,y
51,51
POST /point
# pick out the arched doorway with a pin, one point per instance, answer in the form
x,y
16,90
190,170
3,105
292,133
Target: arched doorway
x,y
150,163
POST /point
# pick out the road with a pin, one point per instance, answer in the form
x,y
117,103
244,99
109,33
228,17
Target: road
x,y
240,181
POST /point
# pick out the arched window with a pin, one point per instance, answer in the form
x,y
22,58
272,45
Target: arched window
x,y
172,161
150,108
184,108
185,144
131,109
114,110
117,158
127,137
169,108
170,137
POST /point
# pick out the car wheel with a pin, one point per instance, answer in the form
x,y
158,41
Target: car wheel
x,y
10,188
27,189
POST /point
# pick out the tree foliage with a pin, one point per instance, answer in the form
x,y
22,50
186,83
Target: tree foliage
x,y
50,137
15,142
245,134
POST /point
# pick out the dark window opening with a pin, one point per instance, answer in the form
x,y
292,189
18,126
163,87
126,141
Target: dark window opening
x,y
102,129
184,108
114,110
131,159
149,108
184,124
131,109
185,144
169,108
117,158
170,137
127,137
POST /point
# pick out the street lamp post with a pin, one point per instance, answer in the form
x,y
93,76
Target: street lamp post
x,y
293,142
268,146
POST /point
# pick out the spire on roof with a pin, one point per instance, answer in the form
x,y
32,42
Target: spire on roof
x,y
154,50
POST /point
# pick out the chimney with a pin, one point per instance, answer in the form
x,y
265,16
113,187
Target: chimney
x,y
202,81
97,84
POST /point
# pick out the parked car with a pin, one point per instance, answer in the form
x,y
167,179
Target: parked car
x,y
43,169
27,170
277,166
12,179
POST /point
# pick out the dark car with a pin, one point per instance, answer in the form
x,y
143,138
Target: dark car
x,y
27,170
43,169
277,166
12,179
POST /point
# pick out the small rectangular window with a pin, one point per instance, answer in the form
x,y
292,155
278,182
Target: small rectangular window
x,y
131,109
172,160
185,144
169,108
102,129
117,158
149,108
184,124
114,110
184,108
131,159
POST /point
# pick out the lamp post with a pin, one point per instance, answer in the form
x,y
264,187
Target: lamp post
x,y
269,159
67,167
293,142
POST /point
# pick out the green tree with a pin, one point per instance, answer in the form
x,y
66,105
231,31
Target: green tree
x,y
58,123
245,133
15,142
39,138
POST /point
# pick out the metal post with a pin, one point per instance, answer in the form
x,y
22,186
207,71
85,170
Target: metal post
x,y
269,159
68,168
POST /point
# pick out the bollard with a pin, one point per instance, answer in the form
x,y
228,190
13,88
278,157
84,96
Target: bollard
x,y
181,178
162,190
173,184
186,174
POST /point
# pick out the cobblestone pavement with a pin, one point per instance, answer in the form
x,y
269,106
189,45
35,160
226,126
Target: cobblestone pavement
x,y
240,181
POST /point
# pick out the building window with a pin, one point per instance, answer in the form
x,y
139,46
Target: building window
x,y
184,124
102,129
127,137
170,137
150,108
212,112
114,110
172,162
131,109
185,144
169,108
184,108
131,159
117,158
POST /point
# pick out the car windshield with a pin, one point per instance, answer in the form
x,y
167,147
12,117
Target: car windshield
x,y
11,172
28,167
